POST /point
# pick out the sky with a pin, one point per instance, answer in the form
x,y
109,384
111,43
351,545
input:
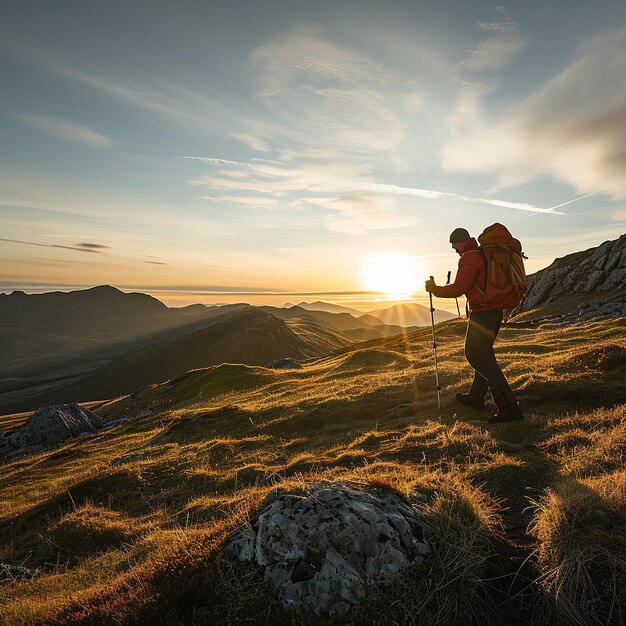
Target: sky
x,y
273,151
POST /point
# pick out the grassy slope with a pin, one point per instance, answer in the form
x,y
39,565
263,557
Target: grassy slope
x,y
241,336
139,541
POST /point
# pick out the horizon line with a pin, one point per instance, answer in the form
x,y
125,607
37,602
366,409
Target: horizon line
x,y
37,288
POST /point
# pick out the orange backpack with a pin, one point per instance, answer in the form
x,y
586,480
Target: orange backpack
x,y
506,284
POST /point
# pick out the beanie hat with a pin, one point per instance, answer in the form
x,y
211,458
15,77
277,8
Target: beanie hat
x,y
459,235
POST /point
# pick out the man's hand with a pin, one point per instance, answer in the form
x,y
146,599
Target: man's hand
x,y
430,285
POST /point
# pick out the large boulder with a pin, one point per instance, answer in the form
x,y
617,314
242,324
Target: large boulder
x,y
321,551
52,424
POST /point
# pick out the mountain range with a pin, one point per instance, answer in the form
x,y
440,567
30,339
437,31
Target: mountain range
x,y
101,341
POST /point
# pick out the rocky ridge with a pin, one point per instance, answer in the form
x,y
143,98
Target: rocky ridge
x,y
599,272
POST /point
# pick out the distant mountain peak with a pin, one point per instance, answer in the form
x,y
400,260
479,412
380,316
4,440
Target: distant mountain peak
x,y
320,305
104,289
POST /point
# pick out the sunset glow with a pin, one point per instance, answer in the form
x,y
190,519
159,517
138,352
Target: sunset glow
x,y
270,147
396,275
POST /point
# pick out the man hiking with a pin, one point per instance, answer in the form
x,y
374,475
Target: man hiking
x,y
485,319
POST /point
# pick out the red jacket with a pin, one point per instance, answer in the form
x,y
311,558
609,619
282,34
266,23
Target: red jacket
x,y
472,271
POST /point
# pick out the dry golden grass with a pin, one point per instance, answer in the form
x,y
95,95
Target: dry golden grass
x,y
581,537
127,526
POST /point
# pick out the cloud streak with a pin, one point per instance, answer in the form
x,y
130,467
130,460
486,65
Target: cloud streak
x,y
92,246
356,196
80,247
64,129
214,161
443,195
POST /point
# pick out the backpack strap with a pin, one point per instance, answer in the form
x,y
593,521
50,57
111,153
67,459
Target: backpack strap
x,y
482,253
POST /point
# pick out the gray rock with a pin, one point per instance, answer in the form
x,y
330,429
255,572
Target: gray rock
x,y
594,280
53,424
612,261
538,292
6,447
321,551
599,257
114,424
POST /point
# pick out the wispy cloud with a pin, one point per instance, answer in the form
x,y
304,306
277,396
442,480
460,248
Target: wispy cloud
x,y
195,106
214,161
331,98
363,204
92,246
252,141
478,73
501,20
565,128
490,55
264,202
501,45
64,129
341,121
287,57
503,26
95,248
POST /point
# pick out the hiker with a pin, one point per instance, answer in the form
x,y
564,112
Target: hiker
x,y
485,318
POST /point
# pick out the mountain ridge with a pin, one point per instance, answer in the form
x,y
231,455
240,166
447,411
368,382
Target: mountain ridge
x,y
250,337
581,285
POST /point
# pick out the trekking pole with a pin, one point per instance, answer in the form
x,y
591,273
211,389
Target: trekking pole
x,y
456,299
432,320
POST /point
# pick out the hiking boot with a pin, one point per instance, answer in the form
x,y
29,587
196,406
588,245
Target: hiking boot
x,y
467,399
510,413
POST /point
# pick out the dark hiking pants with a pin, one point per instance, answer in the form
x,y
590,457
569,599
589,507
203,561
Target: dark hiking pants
x,y
482,330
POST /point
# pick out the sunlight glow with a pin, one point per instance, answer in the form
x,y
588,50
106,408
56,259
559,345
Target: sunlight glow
x,y
396,275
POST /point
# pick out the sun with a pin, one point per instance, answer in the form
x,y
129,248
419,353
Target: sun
x,y
396,275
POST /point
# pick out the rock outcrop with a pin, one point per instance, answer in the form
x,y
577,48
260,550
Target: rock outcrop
x,y
50,425
320,552
598,271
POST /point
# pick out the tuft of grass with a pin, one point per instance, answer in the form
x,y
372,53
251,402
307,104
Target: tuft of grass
x,y
589,444
580,527
90,529
451,586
